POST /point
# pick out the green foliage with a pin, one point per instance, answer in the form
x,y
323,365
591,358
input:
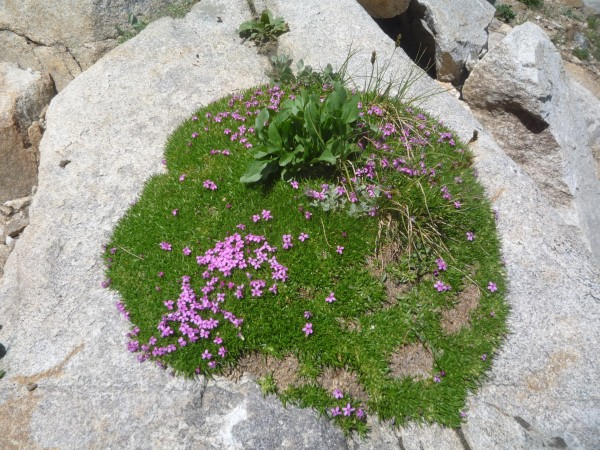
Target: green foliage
x,y
281,72
505,12
177,9
135,24
264,29
533,3
581,53
308,131
593,35
382,267
571,14
267,385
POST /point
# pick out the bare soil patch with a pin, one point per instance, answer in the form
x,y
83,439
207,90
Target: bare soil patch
x,y
414,361
284,371
459,316
387,254
344,380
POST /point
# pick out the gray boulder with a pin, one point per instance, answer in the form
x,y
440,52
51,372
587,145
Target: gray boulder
x,y
55,60
457,30
520,91
23,96
64,37
384,9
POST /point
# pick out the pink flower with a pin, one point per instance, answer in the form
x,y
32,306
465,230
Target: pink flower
x,y
492,286
175,211
307,215
339,249
165,246
255,218
441,287
182,177
307,314
307,329
337,394
330,298
470,235
186,251
335,411
266,215
208,184
294,184
206,354
303,237
287,241
241,226
441,264
348,409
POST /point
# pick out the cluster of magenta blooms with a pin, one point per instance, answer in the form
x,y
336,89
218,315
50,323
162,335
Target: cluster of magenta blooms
x,y
201,309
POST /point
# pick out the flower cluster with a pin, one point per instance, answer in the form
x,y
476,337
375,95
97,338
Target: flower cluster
x,y
346,410
208,184
195,317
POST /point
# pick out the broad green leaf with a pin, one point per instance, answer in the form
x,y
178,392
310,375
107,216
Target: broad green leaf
x,y
286,159
261,119
350,110
246,26
274,135
327,156
254,172
310,115
336,99
266,17
260,155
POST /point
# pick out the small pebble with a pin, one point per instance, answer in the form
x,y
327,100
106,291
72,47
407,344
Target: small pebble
x,y
31,386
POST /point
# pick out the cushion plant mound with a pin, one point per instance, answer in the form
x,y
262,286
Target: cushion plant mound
x,y
355,279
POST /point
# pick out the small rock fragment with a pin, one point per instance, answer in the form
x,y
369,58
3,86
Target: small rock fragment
x,y
16,226
19,203
31,386
5,210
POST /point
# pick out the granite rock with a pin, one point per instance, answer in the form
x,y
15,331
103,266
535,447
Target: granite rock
x,y
92,393
384,9
456,29
521,92
23,96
